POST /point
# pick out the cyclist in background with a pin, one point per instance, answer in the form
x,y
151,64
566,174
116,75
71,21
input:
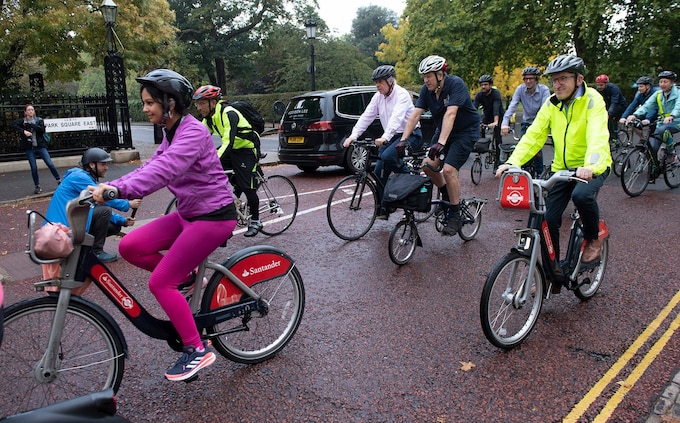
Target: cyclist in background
x,y
489,99
666,106
532,95
457,129
645,91
577,117
173,245
238,151
393,105
614,101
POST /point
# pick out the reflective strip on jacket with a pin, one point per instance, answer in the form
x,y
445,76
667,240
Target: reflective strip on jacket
x,y
580,133
219,123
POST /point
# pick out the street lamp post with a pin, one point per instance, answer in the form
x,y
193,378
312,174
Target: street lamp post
x,y
114,74
310,27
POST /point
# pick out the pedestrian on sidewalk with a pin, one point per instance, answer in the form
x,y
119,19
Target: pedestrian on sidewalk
x,y
31,129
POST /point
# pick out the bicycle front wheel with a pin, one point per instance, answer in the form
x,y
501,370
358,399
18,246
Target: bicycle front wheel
x,y
255,337
636,171
352,207
618,161
278,204
471,219
507,317
671,173
91,356
476,171
403,242
591,275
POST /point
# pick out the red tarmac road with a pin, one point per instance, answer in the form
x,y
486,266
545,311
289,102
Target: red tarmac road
x,y
383,343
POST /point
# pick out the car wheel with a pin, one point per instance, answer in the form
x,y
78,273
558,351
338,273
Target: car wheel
x,y
356,158
308,169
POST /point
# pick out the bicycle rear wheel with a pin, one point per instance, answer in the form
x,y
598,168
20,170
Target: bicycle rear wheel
x,y
471,218
476,171
618,160
671,173
506,320
352,207
403,242
278,204
255,337
91,355
636,171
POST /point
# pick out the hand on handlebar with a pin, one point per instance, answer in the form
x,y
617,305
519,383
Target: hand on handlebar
x,y
505,130
349,140
401,149
584,173
435,150
103,193
502,168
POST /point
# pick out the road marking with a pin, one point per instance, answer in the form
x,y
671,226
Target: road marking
x,y
582,406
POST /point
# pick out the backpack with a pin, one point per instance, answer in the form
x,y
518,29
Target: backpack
x,y
251,114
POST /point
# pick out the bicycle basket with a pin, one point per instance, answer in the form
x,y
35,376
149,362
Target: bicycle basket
x,y
482,146
515,190
409,192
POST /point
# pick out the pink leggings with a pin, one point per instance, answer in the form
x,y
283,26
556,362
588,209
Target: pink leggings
x,y
187,244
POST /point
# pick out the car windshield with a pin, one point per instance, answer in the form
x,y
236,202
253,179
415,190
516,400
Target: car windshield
x,y
305,108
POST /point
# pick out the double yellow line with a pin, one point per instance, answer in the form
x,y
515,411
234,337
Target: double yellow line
x,y
594,393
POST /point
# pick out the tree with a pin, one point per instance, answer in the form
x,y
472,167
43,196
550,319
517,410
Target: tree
x,y
366,35
219,35
53,37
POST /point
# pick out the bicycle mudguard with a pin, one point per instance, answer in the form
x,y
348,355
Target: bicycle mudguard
x,y
251,265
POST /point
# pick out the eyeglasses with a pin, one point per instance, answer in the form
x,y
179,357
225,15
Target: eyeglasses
x,y
561,80
529,78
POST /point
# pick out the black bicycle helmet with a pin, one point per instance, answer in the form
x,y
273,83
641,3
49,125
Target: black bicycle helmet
x,y
531,70
432,64
644,80
94,155
668,75
486,78
170,83
383,72
566,63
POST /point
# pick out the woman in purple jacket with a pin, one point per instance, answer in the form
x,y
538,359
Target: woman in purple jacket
x,y
186,163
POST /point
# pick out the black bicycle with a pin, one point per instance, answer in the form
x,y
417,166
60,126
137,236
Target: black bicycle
x,y
640,167
353,202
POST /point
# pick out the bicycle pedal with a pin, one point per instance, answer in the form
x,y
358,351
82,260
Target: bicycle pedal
x,y
193,378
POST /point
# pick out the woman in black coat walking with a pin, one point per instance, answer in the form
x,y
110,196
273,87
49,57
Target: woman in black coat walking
x,y
31,129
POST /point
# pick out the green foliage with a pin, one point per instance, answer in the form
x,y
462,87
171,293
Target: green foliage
x,y
51,37
366,35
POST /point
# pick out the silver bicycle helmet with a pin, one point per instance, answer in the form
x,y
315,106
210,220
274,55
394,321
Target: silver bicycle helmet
x,y
668,75
531,70
432,64
486,78
566,63
383,72
644,80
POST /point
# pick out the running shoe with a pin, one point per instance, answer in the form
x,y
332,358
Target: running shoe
x,y
190,363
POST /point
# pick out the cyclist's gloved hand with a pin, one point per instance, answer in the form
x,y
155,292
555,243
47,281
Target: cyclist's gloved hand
x,y
435,150
402,149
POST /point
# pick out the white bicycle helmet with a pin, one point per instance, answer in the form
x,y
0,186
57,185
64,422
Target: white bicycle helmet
x,y
432,64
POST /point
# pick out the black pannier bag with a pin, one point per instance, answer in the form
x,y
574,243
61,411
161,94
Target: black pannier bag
x,y
409,192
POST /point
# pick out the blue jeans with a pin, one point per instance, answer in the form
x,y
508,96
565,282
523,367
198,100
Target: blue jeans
x,y
45,156
585,200
389,161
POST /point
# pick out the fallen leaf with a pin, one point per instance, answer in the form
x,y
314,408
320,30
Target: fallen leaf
x,y
624,384
467,366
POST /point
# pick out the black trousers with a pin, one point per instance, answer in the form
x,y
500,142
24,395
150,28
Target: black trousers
x,y
101,227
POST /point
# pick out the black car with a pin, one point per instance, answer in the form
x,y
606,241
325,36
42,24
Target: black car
x,y
315,125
